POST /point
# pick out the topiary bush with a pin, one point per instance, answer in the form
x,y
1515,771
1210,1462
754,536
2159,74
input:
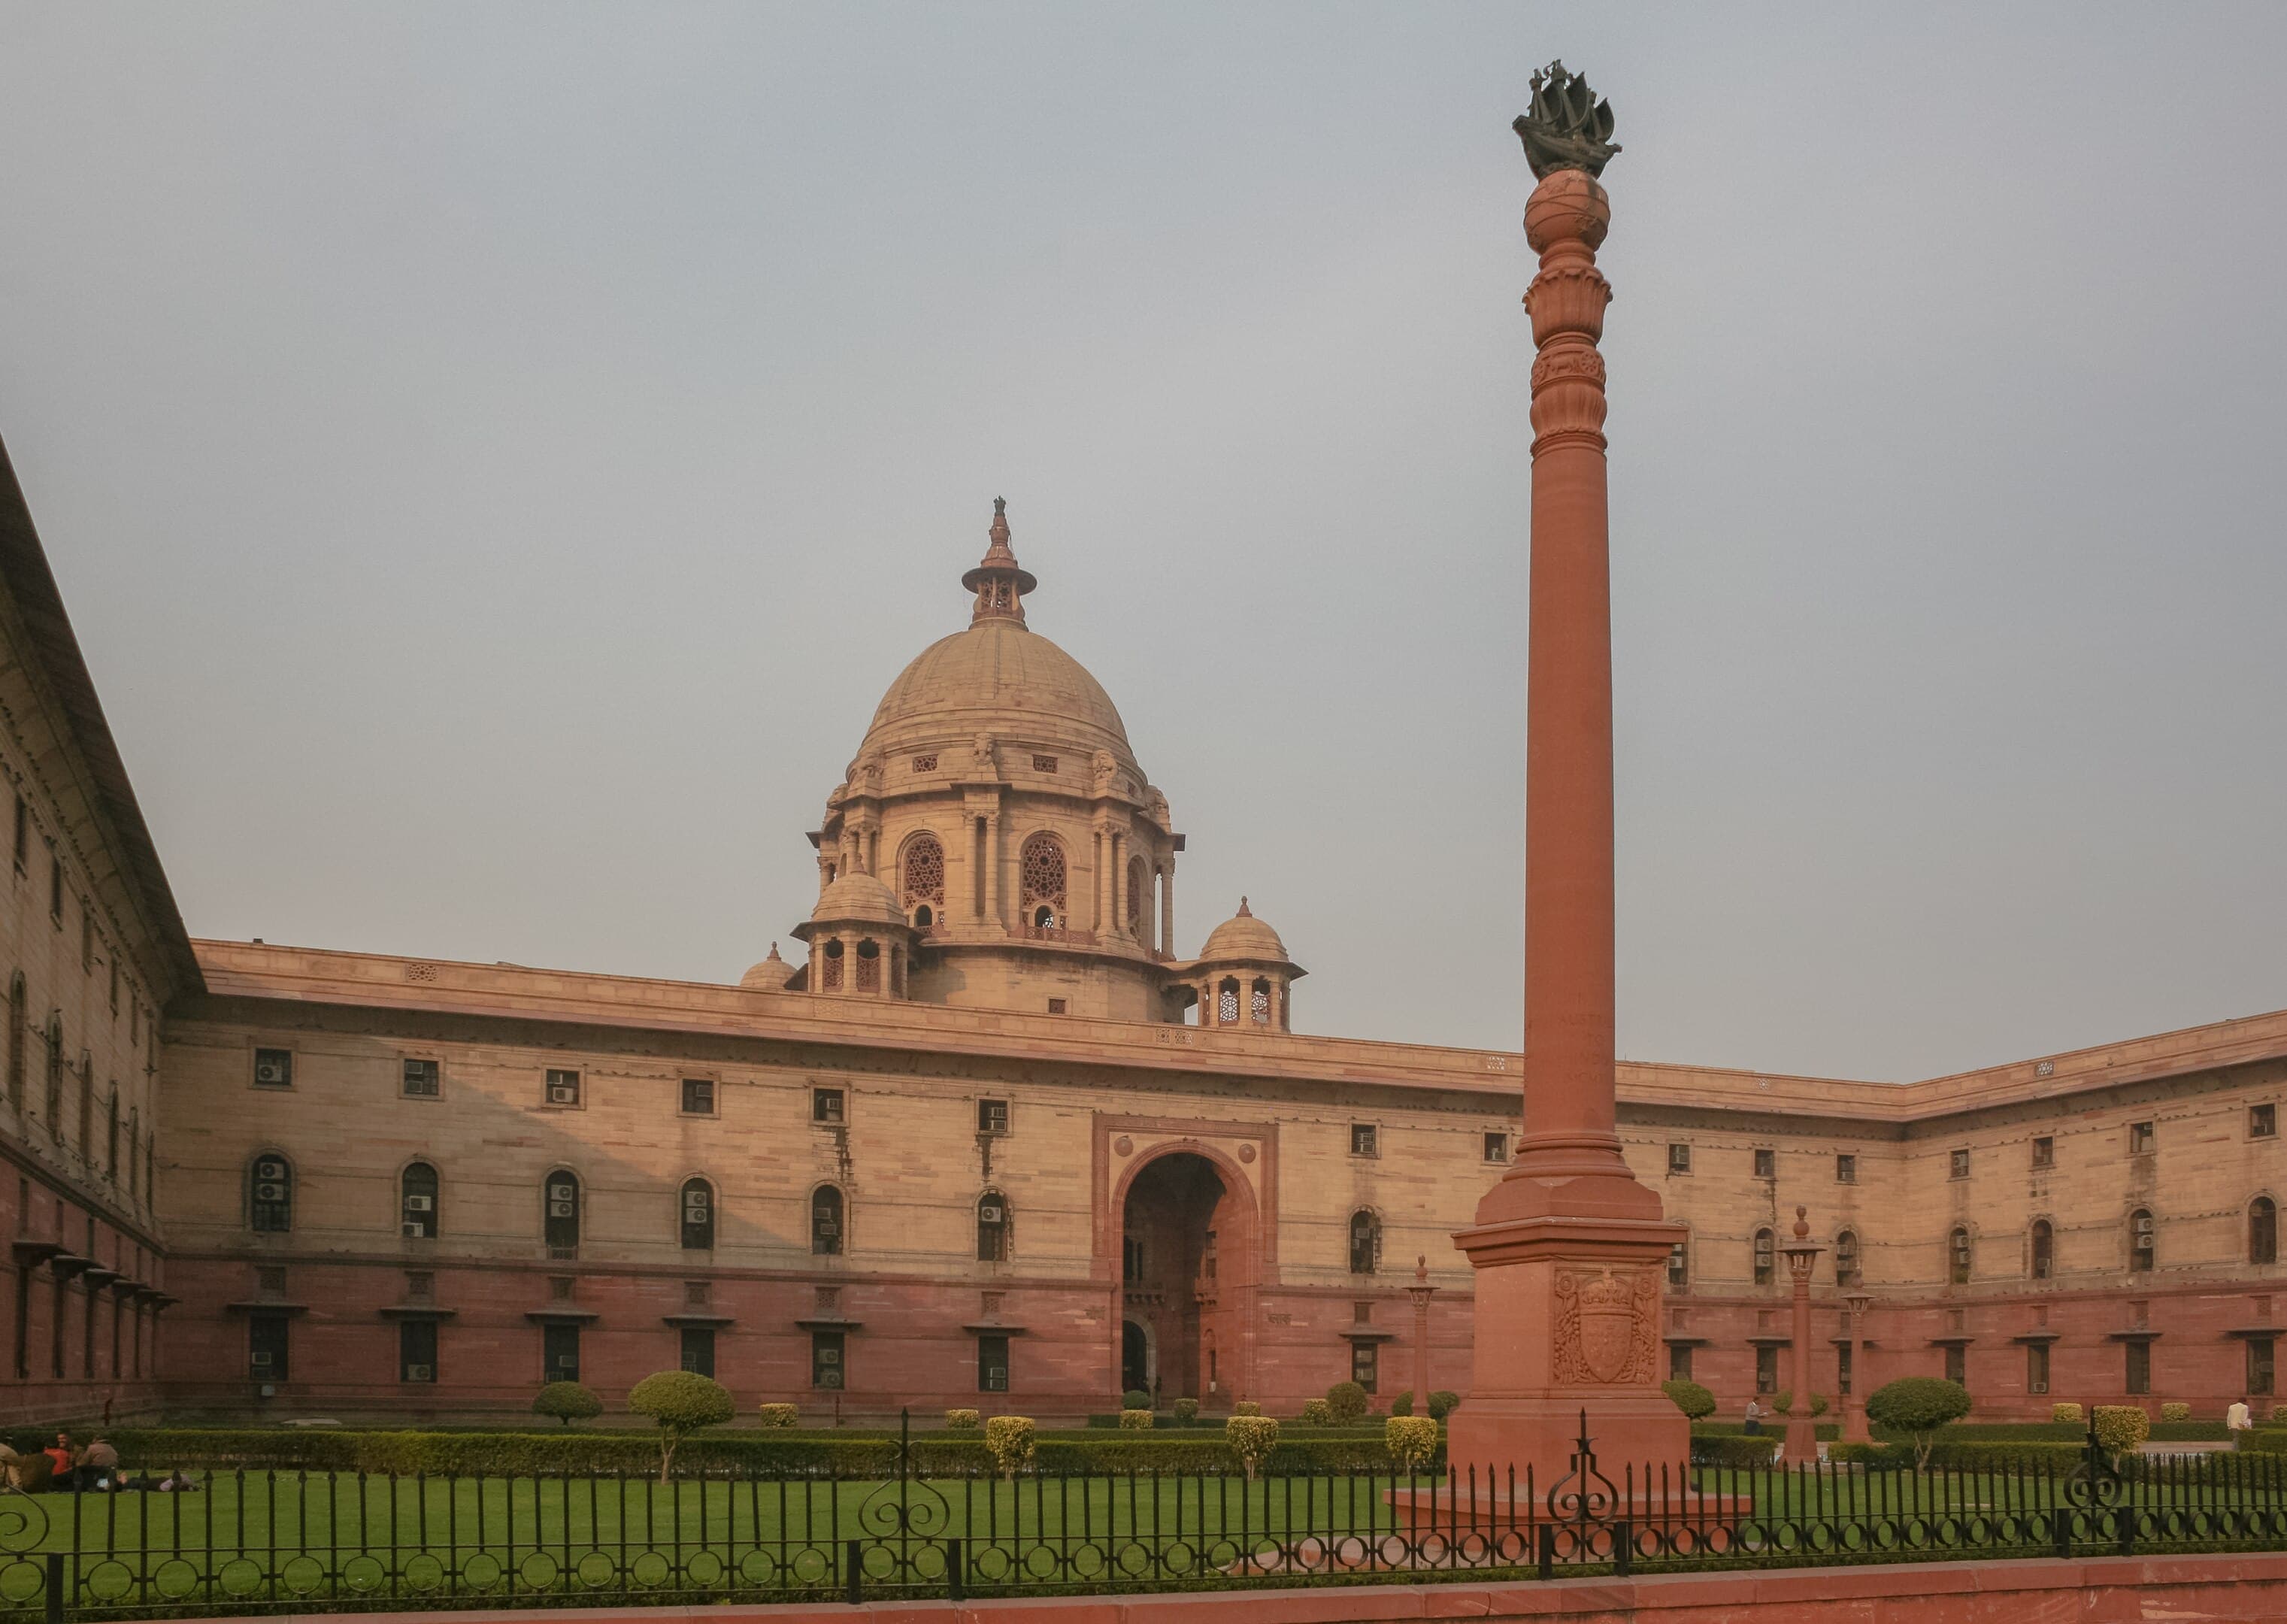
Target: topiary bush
x,y
2066,1412
1250,1438
1009,1440
1134,1399
1317,1413
1345,1402
1443,1404
1135,1421
567,1402
2120,1428
1246,1407
1918,1406
1402,1404
681,1402
961,1421
1783,1401
780,1415
1693,1400
2175,1411
1411,1441
1187,1409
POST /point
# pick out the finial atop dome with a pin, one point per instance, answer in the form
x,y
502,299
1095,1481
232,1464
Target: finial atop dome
x,y
999,581
1245,912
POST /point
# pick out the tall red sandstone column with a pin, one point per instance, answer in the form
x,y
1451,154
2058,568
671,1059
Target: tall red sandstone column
x,y
1801,1430
1567,1247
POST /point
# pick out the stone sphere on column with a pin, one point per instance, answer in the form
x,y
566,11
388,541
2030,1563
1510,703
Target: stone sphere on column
x,y
1569,206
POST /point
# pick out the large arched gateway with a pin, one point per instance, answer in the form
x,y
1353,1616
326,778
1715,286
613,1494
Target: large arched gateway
x,y
1186,1246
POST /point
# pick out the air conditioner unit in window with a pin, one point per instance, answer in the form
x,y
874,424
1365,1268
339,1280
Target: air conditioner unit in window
x,y
269,1167
415,1230
2039,1387
563,1093
271,1071
420,1203
260,1361
989,1212
421,1373
559,1209
269,1193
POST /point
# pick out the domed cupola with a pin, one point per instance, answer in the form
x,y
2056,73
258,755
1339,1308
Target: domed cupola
x,y
860,944
999,810
1243,976
771,976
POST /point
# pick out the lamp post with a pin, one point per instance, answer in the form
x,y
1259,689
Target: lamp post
x,y
1854,1405
1802,1431
1421,1291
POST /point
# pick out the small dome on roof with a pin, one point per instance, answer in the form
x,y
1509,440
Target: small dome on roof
x,y
858,899
1243,936
770,976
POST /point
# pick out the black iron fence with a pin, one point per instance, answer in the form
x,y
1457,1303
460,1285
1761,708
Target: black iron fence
x,y
277,1540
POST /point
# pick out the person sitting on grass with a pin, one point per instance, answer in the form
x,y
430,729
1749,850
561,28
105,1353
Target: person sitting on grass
x,y
98,1465
60,1457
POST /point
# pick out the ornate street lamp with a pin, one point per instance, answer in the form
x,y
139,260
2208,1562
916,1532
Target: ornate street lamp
x,y
1853,1415
1421,1291
1802,1431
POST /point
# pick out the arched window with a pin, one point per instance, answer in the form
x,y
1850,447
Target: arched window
x,y
1227,1003
560,1196
2263,1231
18,1035
2140,1241
869,966
992,1228
270,1194
1365,1242
1845,1258
1766,1260
1956,1253
2045,1249
1258,1003
833,978
55,1083
416,1202
922,876
1679,1265
698,1215
826,1221
1040,864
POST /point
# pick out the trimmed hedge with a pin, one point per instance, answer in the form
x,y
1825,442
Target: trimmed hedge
x,y
1732,1450
521,1453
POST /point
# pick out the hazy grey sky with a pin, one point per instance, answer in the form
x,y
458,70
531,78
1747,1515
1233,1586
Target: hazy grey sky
x,y
497,455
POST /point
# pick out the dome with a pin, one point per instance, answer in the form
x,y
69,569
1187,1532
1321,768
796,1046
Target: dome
x,y
770,976
1243,936
858,899
1002,678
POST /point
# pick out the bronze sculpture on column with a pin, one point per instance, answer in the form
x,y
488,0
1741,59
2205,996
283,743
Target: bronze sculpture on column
x,y
1567,1247
1801,1430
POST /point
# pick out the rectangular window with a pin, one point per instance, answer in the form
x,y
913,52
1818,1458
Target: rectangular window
x,y
1679,1267
1044,763
1957,1363
1131,1259
270,1205
273,1068
1842,1368
1846,1169
2263,1121
992,1364
1679,1361
2141,1138
1059,1006
1366,1139
265,1347
1679,1159
826,1104
55,891
992,1116
559,1352
925,763
2260,1350
827,1370
1958,1165
1766,1368
2138,1356
1366,1364
2044,1152
423,1079
562,1088
2037,1367
698,1096
1766,1164
1496,1147
416,1350
699,1350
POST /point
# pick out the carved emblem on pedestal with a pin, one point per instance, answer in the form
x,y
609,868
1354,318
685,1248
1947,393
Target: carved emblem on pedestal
x,y
1606,1329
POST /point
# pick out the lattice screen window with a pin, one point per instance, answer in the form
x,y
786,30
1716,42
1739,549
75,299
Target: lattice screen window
x,y
1259,1003
924,871
870,967
1227,1004
1042,863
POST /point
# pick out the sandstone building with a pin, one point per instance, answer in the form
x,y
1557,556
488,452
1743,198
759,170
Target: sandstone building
x,y
995,1142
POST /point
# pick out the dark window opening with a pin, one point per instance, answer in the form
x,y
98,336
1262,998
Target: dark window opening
x,y
1496,1147
1958,1257
993,1229
1958,1165
417,1201
828,1369
416,1350
559,1352
991,1363
826,1104
826,1221
992,1116
699,1350
269,1204
1366,1139
2138,1375
1846,1169
1679,1361
2045,1249
562,1224
1366,1364
2142,1138
2037,1367
1957,1363
2263,1121
698,1215
2263,1231
423,1079
2044,1152
1766,1368
563,1086
2260,1352
1679,1159
698,1096
1365,1242
1766,1164
2143,1241
265,1347
1766,1258
273,1068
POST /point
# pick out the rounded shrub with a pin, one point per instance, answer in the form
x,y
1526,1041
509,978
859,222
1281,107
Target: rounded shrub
x,y
1246,1407
1444,1403
1402,1404
1693,1400
567,1402
1135,1421
1134,1399
2066,1412
1008,1439
681,1402
961,1421
1187,1409
1345,1401
1250,1438
1918,1406
1317,1413
2174,1411
1411,1441
1783,1401
780,1415
2121,1427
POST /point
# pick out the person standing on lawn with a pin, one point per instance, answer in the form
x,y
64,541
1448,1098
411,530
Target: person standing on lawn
x,y
2238,1419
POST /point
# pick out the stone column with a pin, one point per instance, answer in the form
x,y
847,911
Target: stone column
x,y
1422,1291
1567,1247
1854,1406
1117,925
1801,1430
993,912
1167,907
